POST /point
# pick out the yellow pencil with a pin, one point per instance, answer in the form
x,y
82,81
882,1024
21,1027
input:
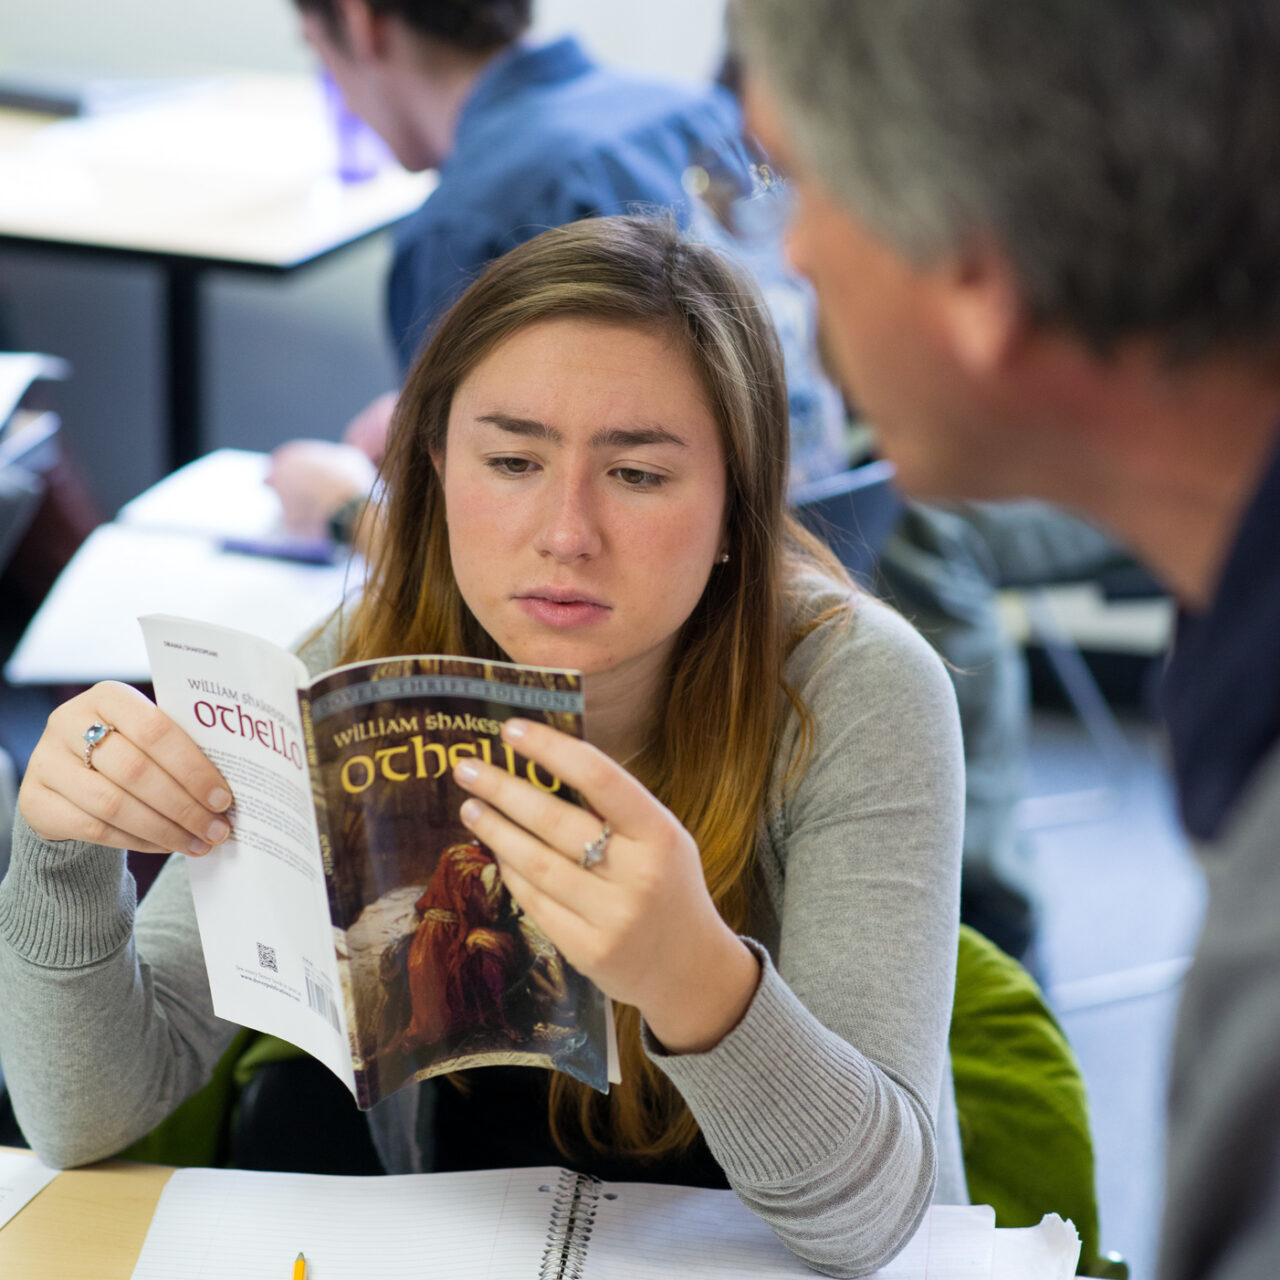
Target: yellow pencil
x,y
300,1268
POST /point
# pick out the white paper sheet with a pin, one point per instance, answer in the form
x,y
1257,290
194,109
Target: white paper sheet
x,y
22,1177
223,494
215,1223
692,1232
1047,1251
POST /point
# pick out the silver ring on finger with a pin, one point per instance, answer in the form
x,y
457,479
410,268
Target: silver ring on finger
x,y
593,850
93,737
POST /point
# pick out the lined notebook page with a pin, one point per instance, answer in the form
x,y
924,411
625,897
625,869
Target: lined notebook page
x,y
698,1234
212,1224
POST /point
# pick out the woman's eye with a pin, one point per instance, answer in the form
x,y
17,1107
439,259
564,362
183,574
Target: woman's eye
x,y
634,478
510,466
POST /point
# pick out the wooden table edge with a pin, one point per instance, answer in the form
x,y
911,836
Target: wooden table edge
x,y
88,1222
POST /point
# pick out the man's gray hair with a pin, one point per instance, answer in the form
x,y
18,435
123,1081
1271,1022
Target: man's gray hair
x,y
1123,154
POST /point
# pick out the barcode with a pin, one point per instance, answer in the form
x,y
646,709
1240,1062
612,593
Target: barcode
x,y
267,957
320,999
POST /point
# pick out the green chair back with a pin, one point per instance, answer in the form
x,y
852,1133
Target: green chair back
x,y
1020,1095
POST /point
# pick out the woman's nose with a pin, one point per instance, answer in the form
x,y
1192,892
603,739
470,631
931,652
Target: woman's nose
x,y
570,524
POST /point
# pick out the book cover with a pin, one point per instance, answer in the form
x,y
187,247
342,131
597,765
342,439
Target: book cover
x,y
440,969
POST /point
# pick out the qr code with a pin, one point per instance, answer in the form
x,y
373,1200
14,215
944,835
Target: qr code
x,y
267,957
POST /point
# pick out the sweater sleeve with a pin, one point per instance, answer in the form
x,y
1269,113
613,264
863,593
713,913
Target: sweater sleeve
x,y
108,1023
820,1105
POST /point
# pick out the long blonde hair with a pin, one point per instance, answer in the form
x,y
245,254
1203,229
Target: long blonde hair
x,y
711,765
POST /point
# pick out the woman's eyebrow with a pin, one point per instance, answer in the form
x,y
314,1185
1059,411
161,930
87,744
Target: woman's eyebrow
x,y
631,437
606,438
521,426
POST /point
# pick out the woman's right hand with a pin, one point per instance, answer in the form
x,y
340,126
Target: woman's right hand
x,y
150,788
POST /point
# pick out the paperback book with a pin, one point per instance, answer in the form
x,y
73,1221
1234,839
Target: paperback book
x,y
350,911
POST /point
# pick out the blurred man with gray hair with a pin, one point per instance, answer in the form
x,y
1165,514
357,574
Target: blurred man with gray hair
x,y
1046,243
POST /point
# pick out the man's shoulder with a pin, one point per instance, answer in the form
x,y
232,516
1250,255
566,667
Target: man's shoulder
x,y
605,101
604,144
625,121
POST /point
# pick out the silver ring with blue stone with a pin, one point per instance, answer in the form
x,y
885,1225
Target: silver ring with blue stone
x,y
93,735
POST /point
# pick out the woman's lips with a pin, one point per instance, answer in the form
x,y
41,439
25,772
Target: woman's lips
x,y
556,612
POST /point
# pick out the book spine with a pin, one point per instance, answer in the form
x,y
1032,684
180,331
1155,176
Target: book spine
x,y
365,1094
569,1226
320,803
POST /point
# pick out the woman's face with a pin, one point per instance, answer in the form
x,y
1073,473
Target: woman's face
x,y
584,482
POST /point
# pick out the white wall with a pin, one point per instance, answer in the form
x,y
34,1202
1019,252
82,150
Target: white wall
x,y
283,358
150,36
675,37
680,38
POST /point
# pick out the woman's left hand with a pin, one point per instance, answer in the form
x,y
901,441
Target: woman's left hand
x,y
640,922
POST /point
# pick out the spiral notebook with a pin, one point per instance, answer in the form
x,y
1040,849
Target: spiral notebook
x,y
501,1224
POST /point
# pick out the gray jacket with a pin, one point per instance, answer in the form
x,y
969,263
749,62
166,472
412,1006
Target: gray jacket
x,y
1222,1206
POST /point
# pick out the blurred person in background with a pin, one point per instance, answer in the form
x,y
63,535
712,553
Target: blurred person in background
x,y
525,135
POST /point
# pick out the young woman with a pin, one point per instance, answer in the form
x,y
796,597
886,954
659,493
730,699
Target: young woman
x,y
587,469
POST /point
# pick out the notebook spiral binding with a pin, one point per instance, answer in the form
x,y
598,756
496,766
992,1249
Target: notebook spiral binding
x,y
569,1226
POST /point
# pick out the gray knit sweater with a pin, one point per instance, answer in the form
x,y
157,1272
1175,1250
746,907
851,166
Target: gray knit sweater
x,y
820,1105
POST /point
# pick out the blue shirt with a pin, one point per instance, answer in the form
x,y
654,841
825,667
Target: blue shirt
x,y
1222,687
547,137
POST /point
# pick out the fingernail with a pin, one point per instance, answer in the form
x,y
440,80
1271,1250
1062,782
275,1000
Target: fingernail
x,y
514,729
470,811
466,771
197,847
218,830
219,798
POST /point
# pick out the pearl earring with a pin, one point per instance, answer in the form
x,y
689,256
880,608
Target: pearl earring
x,y
722,558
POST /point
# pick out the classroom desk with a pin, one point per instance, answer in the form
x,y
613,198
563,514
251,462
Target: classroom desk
x,y
234,173
87,1224
161,555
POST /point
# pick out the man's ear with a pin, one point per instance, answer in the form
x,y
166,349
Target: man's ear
x,y
982,309
364,29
